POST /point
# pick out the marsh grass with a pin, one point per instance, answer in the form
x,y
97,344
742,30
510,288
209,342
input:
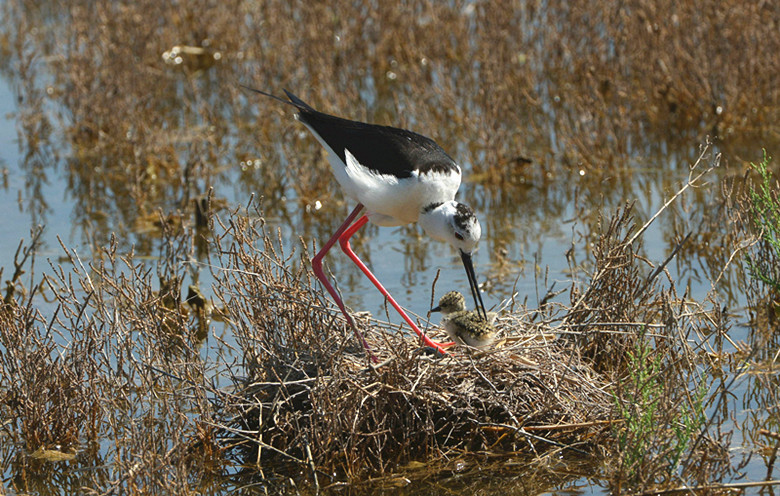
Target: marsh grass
x,y
119,377
647,409
639,423
103,358
111,375
521,95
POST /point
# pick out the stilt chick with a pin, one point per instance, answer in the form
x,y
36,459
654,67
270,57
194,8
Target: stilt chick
x,y
465,326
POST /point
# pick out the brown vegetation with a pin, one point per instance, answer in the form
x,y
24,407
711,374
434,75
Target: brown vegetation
x,y
103,361
568,86
121,362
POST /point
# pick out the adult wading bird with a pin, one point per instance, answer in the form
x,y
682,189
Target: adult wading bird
x,y
398,177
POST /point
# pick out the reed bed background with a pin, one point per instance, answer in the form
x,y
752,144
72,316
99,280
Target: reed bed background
x,y
121,372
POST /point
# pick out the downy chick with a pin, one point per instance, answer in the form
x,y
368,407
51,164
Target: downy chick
x,y
465,326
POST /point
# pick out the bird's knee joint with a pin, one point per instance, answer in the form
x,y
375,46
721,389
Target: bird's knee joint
x,y
344,243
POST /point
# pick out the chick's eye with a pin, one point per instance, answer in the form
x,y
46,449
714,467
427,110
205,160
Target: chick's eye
x,y
458,236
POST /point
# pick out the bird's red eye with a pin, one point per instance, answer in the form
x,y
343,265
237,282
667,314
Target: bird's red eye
x,y
458,236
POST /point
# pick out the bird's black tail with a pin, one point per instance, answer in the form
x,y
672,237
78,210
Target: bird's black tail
x,y
297,101
293,100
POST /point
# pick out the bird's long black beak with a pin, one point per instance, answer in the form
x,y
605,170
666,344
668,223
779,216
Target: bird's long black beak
x,y
469,266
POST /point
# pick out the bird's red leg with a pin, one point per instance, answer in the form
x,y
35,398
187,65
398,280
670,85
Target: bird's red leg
x,y
316,265
344,242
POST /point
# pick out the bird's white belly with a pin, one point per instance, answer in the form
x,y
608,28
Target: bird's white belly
x,y
391,201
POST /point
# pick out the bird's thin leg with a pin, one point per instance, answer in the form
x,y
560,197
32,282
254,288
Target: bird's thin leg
x,y
344,242
316,265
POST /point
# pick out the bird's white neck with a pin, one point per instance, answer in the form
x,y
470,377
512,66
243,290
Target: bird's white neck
x,y
436,221
453,223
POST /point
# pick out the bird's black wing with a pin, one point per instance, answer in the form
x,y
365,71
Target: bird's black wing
x,y
383,149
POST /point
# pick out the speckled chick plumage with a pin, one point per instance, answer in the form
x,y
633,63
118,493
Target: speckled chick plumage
x,y
450,303
465,326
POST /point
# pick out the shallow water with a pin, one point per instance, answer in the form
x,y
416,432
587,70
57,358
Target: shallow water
x,y
538,219
533,226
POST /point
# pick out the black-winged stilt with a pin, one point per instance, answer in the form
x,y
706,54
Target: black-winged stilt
x,y
465,326
399,177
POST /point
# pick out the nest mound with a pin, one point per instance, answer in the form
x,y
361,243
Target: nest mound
x,y
321,402
310,396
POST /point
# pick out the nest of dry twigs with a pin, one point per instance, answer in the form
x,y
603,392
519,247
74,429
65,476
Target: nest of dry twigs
x,y
329,407
310,395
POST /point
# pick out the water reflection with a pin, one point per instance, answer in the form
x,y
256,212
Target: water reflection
x,y
137,143
557,112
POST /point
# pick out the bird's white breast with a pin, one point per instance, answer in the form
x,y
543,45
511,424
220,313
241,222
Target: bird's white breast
x,y
389,200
